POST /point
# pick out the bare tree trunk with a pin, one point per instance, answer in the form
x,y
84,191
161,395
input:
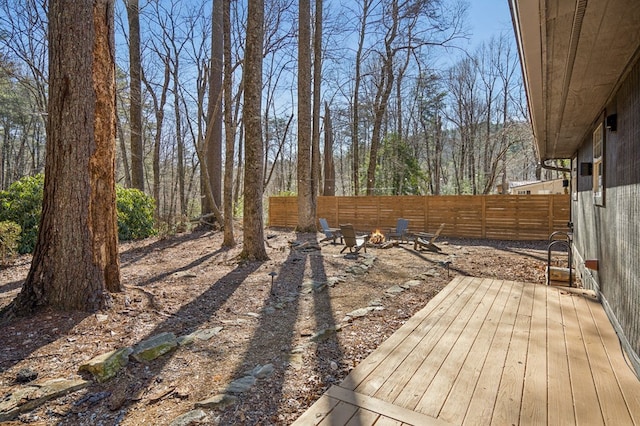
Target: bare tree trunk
x,y
281,143
230,128
399,79
317,84
240,174
355,135
439,144
213,138
137,152
75,262
382,99
123,150
158,106
306,199
179,139
253,235
329,167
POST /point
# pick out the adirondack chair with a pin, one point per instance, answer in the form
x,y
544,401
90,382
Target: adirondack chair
x,y
426,240
329,233
400,231
353,242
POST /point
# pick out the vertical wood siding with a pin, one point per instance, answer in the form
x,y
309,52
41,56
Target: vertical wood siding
x,y
611,233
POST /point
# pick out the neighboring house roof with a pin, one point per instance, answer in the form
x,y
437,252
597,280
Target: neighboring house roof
x,y
573,54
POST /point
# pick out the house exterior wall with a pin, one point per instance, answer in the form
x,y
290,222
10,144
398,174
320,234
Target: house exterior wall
x,y
544,187
610,232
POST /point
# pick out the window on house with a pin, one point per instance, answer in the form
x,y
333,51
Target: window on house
x,y
598,165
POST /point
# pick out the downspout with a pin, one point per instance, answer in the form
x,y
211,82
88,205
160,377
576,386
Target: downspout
x,y
546,166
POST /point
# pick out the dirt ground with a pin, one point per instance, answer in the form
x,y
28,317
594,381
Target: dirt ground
x,y
186,283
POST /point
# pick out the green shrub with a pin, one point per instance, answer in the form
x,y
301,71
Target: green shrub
x,y
135,214
22,204
9,239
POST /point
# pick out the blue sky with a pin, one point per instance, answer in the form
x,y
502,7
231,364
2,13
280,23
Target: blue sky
x,y
487,18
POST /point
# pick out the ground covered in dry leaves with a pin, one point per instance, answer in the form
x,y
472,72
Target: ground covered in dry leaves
x,y
187,282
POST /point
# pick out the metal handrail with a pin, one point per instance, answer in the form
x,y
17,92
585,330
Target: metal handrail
x,y
567,244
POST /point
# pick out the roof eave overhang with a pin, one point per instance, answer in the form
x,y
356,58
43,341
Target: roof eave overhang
x,y
574,56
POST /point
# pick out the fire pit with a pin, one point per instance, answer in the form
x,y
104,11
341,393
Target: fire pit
x,y
377,240
376,237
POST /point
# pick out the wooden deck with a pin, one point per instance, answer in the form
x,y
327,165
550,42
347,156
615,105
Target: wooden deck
x,y
491,352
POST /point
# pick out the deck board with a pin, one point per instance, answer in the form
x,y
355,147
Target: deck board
x,y
406,365
506,410
470,346
485,389
491,351
413,392
560,408
583,387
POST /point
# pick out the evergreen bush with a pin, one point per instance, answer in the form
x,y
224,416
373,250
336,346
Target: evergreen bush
x,y
22,204
9,239
135,214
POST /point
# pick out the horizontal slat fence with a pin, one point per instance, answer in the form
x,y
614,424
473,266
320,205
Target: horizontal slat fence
x,y
504,217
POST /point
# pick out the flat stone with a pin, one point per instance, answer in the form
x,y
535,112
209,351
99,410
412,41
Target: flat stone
x,y
105,366
217,402
186,340
358,313
207,333
300,349
154,347
332,281
357,270
204,335
183,274
375,302
29,397
309,286
241,385
413,283
369,261
189,418
396,289
262,371
295,359
431,273
237,321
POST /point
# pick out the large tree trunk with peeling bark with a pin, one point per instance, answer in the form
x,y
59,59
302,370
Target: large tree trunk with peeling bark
x,y
75,264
